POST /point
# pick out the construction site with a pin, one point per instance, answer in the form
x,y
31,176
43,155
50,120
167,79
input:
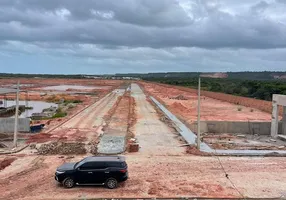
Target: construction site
x,y
240,154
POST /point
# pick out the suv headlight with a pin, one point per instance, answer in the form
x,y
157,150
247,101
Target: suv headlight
x,y
59,172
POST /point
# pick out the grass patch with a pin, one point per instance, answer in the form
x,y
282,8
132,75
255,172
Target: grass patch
x,y
66,102
59,114
29,108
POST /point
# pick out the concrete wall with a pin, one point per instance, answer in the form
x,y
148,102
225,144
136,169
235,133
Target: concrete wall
x,y
260,128
7,125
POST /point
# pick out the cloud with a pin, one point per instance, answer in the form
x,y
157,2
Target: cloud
x,y
161,32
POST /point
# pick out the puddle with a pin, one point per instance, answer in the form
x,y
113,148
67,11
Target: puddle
x,y
6,162
74,87
38,107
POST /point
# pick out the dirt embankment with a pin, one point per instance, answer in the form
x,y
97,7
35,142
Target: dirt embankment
x,y
183,102
110,113
132,118
262,105
121,116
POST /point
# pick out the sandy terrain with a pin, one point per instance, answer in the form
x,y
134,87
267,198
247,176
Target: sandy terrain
x,y
161,168
211,109
32,177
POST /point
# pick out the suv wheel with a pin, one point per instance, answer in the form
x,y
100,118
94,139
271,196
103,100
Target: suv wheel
x,y
111,183
68,183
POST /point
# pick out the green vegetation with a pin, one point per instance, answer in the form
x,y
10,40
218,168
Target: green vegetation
x,y
28,108
72,101
59,113
248,88
67,102
264,75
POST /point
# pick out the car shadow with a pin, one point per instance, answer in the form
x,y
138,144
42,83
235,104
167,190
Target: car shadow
x,y
120,185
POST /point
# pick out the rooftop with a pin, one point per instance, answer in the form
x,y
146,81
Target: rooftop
x,y
105,158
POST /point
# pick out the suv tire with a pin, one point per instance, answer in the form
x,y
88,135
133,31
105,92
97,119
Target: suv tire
x,y
111,183
68,182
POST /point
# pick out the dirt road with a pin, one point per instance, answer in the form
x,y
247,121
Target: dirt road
x,y
93,115
154,136
160,169
86,125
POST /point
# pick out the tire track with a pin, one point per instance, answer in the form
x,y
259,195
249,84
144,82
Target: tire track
x,y
74,123
98,112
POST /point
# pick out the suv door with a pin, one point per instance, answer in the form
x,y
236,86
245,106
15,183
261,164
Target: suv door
x,y
117,170
84,173
92,173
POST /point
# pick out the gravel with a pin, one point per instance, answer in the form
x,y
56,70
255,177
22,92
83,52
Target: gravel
x,y
61,148
111,144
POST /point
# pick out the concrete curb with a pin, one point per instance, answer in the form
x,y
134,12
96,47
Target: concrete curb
x,y
16,151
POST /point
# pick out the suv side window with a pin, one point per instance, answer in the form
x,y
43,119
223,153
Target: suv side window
x,y
87,166
99,165
93,165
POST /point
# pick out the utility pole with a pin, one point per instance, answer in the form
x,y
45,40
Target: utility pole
x,y
199,116
5,101
26,104
16,116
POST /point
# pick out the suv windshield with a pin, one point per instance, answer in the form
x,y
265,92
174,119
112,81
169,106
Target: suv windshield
x,y
79,163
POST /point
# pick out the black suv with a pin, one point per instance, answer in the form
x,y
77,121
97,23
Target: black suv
x,y
94,170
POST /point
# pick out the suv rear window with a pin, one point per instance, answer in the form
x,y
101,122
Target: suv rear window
x,y
117,164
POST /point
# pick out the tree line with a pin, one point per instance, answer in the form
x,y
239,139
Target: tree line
x,y
247,88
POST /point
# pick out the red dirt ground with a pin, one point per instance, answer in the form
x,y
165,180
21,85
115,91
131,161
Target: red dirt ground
x,y
262,105
6,162
168,176
36,85
211,109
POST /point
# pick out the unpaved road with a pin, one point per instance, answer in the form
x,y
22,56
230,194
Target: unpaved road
x,y
92,116
86,125
154,136
160,169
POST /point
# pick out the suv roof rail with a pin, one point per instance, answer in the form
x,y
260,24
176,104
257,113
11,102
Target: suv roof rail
x,y
105,158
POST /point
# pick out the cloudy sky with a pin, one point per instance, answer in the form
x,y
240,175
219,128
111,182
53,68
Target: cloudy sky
x,y
119,36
